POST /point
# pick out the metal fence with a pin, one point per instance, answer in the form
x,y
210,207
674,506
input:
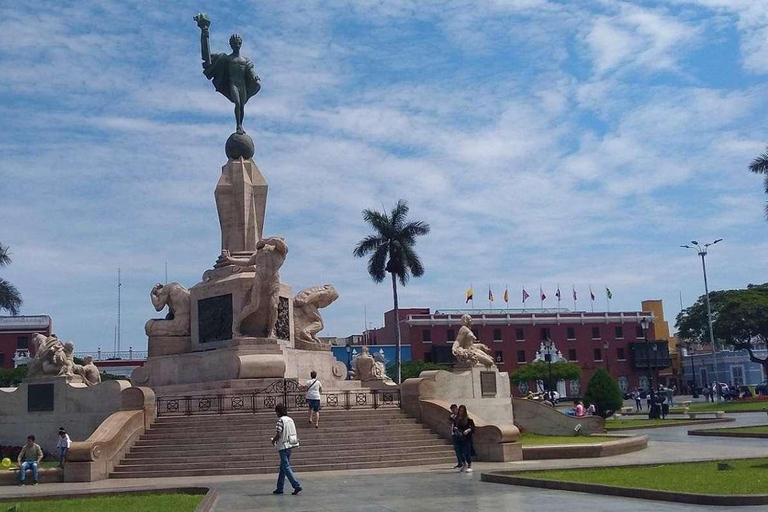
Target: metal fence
x,y
285,391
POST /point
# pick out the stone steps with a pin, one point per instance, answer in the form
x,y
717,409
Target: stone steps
x,y
228,444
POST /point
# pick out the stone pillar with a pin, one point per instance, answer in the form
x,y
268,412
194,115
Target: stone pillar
x,y
241,201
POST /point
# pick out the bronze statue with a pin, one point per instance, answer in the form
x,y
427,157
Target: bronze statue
x,y
233,75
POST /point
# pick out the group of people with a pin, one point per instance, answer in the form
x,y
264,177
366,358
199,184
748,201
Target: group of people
x,y
664,395
31,455
579,411
462,431
725,392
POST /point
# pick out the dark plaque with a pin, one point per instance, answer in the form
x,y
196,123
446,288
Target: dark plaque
x,y
488,383
283,326
39,397
214,318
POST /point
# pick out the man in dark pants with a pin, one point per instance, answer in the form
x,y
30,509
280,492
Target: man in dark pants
x,y
454,437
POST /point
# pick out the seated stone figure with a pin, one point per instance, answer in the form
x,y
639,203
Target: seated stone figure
x,y
366,367
467,350
52,357
307,320
89,371
177,322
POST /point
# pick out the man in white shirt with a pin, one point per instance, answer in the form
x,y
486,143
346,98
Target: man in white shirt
x,y
285,440
63,444
313,388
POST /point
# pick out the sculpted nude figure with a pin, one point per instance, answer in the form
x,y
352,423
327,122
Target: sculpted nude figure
x,y
466,347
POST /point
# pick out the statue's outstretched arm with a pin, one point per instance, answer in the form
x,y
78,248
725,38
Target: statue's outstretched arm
x,y
205,48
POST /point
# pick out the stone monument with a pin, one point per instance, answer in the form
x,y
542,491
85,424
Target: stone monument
x,y
239,322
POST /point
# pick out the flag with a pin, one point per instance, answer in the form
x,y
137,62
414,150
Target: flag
x,y
506,295
591,294
490,294
525,295
543,296
574,293
469,295
608,293
557,293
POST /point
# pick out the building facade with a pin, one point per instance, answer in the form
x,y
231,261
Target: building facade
x,y
733,367
16,334
615,341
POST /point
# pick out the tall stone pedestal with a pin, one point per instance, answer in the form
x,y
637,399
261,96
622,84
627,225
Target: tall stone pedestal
x,y
241,201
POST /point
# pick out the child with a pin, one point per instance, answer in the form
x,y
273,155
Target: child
x,y
63,445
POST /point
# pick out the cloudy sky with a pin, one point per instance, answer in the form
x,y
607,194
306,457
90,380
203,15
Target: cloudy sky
x,y
544,141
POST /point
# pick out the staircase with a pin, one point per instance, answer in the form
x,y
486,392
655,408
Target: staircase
x,y
239,444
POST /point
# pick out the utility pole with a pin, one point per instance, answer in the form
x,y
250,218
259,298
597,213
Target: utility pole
x,y
119,286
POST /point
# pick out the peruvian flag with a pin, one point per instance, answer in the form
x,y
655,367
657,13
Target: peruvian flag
x,y
574,293
591,295
557,294
543,296
506,295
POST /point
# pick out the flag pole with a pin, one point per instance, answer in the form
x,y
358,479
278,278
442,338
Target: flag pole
x,y
607,301
558,296
573,290
472,287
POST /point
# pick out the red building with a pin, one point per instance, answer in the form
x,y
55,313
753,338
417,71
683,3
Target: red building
x,y
16,333
613,341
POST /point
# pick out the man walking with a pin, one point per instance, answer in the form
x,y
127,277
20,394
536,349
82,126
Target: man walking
x,y
29,458
285,440
313,389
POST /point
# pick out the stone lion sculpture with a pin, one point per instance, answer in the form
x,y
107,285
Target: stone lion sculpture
x,y
52,357
177,321
466,348
307,320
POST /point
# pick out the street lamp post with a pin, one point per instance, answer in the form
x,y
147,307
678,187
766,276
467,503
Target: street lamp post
x,y
548,359
702,251
655,349
349,357
644,323
694,391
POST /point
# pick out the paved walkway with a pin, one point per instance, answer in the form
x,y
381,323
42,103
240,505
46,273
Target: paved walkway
x,y
428,489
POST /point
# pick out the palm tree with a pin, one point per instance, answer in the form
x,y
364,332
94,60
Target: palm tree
x,y
10,298
760,166
391,249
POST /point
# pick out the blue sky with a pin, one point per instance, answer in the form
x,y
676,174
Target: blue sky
x,y
545,142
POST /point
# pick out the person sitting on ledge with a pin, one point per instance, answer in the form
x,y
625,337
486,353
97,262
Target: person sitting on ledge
x,y
578,409
29,458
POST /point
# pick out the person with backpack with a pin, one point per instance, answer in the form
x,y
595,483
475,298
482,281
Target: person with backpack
x,y
313,388
285,440
463,429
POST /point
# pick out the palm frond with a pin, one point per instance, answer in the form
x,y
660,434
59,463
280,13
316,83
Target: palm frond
x,y
368,244
413,262
413,229
376,264
5,258
760,164
399,213
10,298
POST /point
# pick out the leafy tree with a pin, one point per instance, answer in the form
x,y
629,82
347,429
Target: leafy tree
x,y
760,166
412,369
604,393
539,370
10,298
391,249
739,319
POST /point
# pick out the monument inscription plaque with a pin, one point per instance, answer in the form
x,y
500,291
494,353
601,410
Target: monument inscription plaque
x,y
40,397
214,318
488,384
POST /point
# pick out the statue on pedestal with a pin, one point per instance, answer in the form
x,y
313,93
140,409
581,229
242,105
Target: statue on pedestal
x,y
367,367
234,77
89,372
52,357
466,348
307,320
259,315
177,322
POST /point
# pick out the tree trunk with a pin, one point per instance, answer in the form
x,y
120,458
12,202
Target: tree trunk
x,y
755,359
398,358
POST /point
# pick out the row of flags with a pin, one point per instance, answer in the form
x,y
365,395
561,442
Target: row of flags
x,y
542,295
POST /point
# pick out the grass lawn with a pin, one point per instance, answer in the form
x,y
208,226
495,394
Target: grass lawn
x,y
756,429
529,439
748,477
642,422
741,405
116,503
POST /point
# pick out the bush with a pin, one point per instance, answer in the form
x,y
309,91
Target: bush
x,y
604,393
412,369
10,378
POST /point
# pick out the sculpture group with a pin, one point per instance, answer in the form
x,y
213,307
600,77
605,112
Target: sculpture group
x,y
56,359
467,350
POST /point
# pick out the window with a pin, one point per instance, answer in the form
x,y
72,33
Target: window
x,y
595,333
497,335
451,336
499,356
639,332
519,334
427,357
598,354
426,335
572,354
619,332
22,342
521,356
571,333
545,333
620,354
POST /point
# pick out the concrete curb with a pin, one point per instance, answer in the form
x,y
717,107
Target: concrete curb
x,y
581,451
211,497
720,433
627,492
87,493
675,424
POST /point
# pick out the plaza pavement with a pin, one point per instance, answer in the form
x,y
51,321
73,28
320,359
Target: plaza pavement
x,y
430,488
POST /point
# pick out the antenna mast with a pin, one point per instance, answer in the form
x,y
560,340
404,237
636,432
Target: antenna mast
x,y
119,285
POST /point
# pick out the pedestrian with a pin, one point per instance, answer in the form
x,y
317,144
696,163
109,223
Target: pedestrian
x,y
464,428
313,389
285,440
454,437
672,393
63,444
638,400
30,457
